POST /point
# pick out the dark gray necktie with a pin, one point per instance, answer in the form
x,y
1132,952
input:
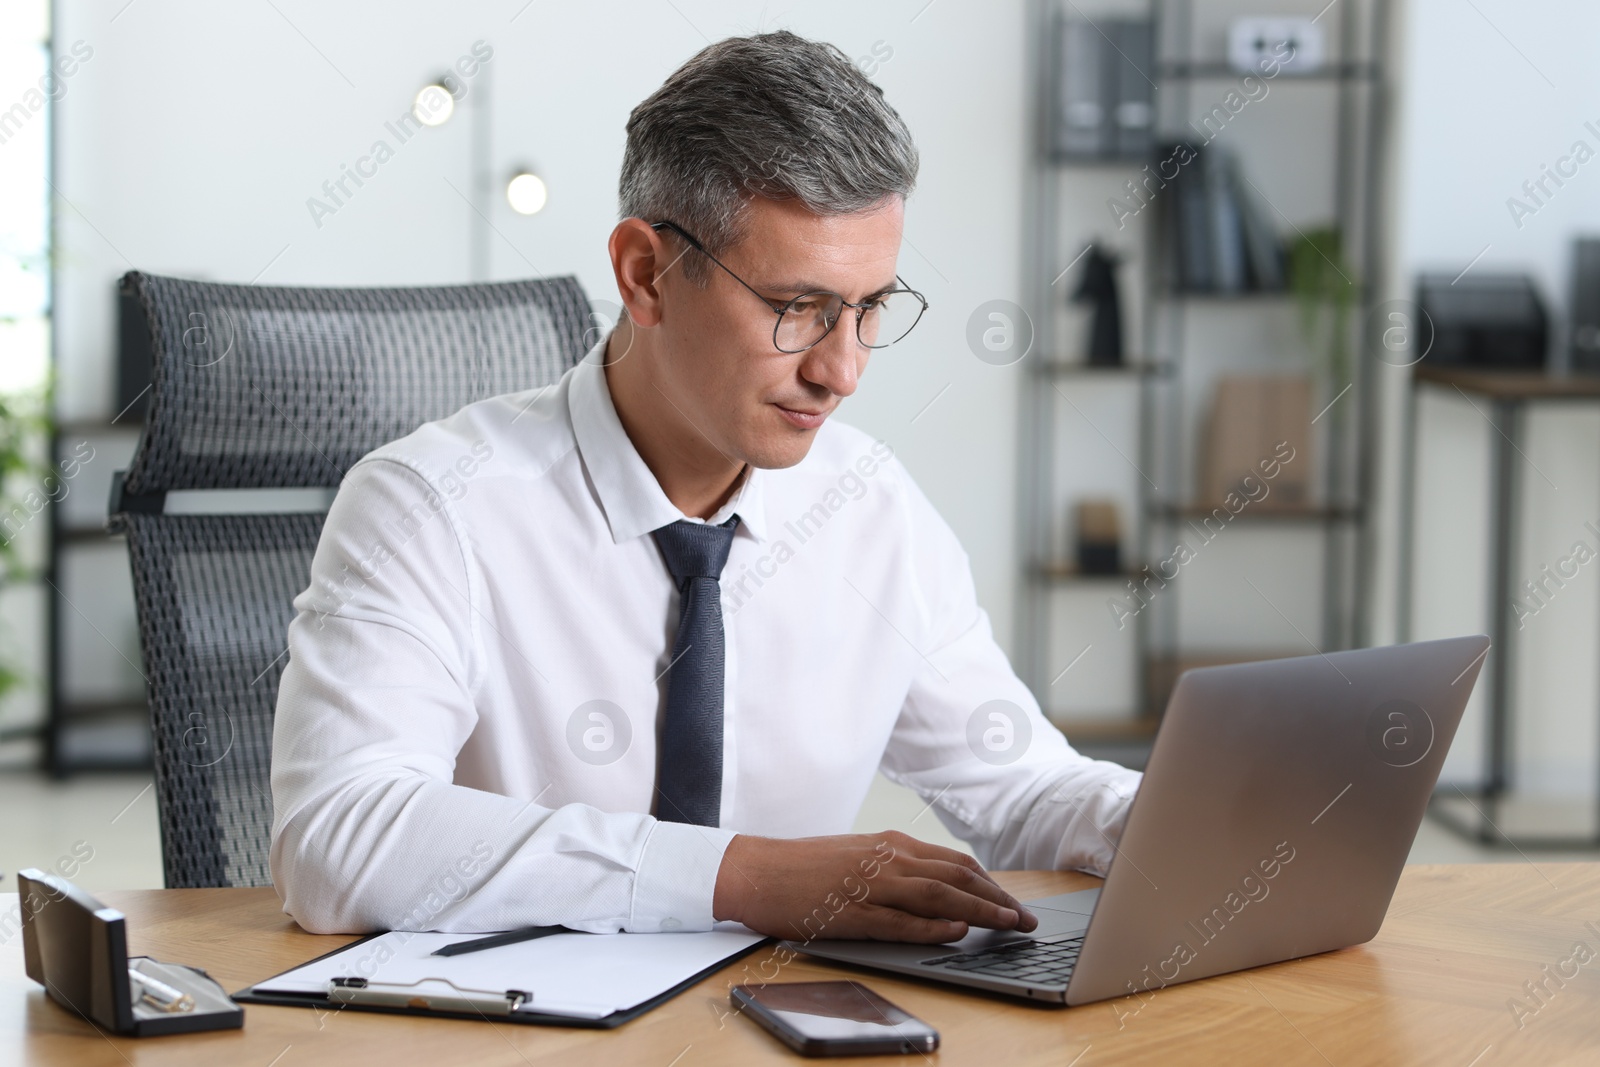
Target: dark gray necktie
x,y
689,774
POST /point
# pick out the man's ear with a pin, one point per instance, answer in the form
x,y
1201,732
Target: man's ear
x,y
638,259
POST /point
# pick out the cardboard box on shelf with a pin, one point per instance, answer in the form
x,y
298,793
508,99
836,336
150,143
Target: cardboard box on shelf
x,y
1099,536
1251,418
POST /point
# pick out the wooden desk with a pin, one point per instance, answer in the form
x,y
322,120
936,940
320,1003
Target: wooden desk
x,y
1434,987
1512,384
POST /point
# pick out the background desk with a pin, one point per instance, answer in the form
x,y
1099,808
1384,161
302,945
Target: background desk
x,y
1434,987
1508,396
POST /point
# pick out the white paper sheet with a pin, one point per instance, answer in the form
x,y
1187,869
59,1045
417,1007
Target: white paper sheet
x,y
578,975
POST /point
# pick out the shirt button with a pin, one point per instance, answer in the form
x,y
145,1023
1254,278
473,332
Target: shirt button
x,y
670,924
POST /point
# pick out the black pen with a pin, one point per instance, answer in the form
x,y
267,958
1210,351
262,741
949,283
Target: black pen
x,y
510,937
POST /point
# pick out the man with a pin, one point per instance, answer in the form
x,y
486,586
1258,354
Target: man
x,y
625,654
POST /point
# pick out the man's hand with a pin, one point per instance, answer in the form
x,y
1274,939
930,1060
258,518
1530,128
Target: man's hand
x,y
886,887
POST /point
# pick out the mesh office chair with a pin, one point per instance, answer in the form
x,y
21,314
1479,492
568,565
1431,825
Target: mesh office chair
x,y
258,387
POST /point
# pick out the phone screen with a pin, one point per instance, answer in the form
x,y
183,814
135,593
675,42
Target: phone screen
x,y
835,1017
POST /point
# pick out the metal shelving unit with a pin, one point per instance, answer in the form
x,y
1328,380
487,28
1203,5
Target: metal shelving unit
x,y
1165,376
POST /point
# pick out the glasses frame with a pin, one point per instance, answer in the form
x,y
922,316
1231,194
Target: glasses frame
x,y
781,309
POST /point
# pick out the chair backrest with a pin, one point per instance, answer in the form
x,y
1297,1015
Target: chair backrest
x,y
257,387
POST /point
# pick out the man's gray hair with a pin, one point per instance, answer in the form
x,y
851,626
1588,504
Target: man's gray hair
x,y
773,116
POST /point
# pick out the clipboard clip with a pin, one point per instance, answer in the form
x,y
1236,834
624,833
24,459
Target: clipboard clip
x,y
406,995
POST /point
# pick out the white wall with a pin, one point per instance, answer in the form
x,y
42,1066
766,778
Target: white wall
x,y
193,137
1487,97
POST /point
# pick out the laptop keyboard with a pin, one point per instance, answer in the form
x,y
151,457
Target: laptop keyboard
x,y
1040,962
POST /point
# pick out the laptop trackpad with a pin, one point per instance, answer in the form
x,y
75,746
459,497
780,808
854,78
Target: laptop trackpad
x,y
1081,903
1059,916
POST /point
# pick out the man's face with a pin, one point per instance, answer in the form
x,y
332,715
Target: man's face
x,y
718,365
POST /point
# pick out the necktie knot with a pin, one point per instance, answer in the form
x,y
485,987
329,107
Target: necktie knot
x,y
695,549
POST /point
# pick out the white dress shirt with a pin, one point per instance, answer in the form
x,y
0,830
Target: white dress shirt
x,y
466,728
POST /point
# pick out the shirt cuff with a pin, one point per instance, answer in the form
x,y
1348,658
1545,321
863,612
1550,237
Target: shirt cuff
x,y
677,878
1106,810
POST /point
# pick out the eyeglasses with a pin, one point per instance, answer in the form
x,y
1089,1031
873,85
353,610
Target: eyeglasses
x,y
881,320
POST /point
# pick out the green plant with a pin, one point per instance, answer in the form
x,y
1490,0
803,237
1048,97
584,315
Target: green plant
x,y
1325,288
24,427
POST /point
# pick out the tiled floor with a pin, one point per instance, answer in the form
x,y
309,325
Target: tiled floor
x,y
101,826
101,830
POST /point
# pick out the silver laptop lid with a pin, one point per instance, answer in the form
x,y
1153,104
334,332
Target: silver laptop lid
x,y
1278,807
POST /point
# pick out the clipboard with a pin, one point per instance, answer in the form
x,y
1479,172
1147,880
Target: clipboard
x,y
463,1000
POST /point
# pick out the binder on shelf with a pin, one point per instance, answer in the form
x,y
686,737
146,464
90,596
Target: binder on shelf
x,y
1079,115
1227,229
1102,96
1264,249
1191,228
1220,238
1132,54
575,979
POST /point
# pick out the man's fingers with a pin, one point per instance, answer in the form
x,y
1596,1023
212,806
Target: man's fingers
x,y
892,924
906,846
973,883
915,858
932,898
961,877
960,859
922,850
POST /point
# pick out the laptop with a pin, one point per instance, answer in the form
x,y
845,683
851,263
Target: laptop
x,y
1276,813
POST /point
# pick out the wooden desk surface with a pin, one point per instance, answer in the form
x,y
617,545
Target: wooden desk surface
x,y
1435,987
1511,384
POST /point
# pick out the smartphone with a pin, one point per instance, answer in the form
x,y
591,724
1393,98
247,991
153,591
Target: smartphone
x,y
833,1018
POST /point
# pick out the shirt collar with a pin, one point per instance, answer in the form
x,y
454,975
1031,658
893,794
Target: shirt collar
x,y
630,496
